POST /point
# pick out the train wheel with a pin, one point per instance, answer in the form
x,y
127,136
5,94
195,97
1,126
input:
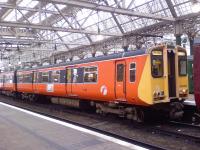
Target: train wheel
x,y
32,98
140,115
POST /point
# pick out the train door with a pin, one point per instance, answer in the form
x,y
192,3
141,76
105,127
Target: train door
x,y
15,80
68,81
35,80
171,73
120,80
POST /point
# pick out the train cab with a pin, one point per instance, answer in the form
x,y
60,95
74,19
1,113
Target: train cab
x,y
168,79
164,79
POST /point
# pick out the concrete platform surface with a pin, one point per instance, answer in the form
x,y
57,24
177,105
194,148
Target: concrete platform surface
x,y
24,130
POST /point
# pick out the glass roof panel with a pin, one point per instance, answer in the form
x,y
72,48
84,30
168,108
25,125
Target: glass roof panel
x,y
60,6
28,3
183,8
13,15
3,1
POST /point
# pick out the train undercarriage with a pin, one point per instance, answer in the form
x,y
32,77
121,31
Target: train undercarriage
x,y
173,110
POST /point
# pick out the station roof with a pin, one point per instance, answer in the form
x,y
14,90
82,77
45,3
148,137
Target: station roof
x,y
32,30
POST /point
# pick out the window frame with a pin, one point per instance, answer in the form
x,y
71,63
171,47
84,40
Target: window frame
x,y
54,72
84,72
27,77
20,78
123,74
182,58
130,71
41,80
152,58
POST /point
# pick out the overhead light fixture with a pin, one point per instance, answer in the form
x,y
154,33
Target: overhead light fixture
x,y
195,6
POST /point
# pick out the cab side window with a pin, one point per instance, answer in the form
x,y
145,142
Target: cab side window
x,y
182,63
157,63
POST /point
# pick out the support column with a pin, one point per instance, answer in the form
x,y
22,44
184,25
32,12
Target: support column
x,y
125,45
178,32
125,48
191,40
178,39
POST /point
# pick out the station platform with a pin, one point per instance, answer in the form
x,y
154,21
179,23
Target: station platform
x,y
24,130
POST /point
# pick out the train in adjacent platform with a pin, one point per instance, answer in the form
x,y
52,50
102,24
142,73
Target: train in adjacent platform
x,y
196,72
127,84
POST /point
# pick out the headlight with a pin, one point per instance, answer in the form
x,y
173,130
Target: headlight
x,y
158,95
183,92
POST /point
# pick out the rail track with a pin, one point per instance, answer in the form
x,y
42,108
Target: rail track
x,y
177,133
108,125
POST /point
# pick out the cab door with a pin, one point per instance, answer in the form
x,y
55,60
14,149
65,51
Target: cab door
x,y
120,80
171,73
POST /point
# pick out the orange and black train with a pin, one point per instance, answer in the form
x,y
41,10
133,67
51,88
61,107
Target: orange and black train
x,y
124,83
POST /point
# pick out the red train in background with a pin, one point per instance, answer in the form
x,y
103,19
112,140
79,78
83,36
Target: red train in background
x,y
196,48
127,84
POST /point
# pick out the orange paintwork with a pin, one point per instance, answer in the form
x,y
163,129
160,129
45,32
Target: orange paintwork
x,y
92,91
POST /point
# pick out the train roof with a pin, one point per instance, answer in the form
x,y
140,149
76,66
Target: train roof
x,y
92,59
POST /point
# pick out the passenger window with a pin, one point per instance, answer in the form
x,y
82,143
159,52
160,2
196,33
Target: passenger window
x,y
75,75
20,78
27,78
55,76
157,63
90,74
45,77
132,72
120,72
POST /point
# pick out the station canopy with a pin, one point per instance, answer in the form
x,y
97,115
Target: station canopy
x,y
32,30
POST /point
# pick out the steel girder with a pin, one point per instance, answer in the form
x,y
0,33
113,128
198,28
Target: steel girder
x,y
95,6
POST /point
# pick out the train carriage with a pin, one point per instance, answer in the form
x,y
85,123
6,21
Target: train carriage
x,y
122,83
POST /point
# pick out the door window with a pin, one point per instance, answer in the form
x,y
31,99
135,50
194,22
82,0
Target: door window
x,y
132,72
120,72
